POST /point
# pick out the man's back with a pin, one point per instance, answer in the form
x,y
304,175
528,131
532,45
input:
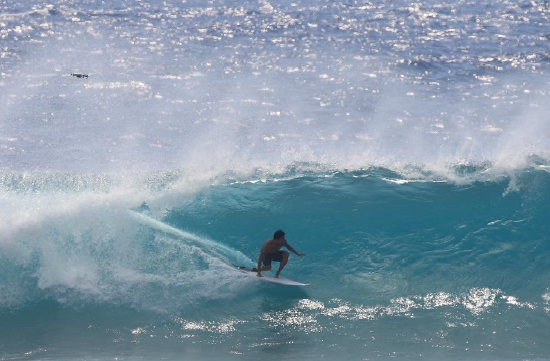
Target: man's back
x,y
273,245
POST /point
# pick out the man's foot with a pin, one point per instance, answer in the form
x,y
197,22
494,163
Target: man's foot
x,y
276,275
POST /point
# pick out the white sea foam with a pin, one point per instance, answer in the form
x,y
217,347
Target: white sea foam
x,y
79,242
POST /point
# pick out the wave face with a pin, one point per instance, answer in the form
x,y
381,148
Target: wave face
x,y
399,267
403,146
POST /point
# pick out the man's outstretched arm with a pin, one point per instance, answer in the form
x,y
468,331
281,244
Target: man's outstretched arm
x,y
291,249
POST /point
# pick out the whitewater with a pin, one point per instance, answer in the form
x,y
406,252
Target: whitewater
x,y
403,146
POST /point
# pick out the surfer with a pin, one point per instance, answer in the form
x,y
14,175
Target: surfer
x,y
271,251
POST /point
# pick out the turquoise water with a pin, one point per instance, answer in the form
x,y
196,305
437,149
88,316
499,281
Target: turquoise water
x,y
398,267
402,146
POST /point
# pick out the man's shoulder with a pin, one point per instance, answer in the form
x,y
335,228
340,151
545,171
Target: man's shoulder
x,y
268,242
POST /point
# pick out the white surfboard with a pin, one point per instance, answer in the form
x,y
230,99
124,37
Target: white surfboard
x,y
269,278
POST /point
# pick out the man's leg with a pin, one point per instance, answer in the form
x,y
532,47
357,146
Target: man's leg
x,y
284,261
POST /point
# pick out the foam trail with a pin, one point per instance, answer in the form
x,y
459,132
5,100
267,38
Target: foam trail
x,y
232,255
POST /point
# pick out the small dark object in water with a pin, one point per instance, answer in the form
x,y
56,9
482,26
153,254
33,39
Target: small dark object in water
x,y
76,75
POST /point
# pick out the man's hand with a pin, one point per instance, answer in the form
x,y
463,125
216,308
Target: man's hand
x,y
300,254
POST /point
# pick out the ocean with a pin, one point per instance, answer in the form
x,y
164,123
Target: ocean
x,y
148,147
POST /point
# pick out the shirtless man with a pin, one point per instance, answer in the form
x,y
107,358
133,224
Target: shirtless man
x,y
271,252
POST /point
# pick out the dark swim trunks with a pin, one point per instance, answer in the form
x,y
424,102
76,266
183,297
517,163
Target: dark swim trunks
x,y
277,257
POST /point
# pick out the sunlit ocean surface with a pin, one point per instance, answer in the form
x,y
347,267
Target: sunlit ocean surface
x,y
403,146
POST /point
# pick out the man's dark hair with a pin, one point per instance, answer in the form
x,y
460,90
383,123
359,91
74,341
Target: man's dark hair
x,y
279,234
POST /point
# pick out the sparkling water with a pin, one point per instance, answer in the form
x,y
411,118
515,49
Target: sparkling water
x,y
148,147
